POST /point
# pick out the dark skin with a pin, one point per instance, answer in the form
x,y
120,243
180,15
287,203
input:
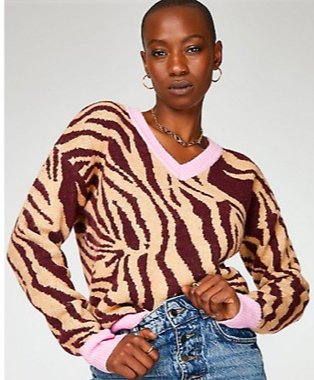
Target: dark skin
x,y
179,56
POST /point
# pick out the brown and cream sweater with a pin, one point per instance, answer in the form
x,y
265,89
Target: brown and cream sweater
x,y
146,225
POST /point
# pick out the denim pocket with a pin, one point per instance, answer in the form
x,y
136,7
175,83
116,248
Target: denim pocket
x,y
234,334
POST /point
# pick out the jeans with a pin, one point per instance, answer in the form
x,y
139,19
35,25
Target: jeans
x,y
192,345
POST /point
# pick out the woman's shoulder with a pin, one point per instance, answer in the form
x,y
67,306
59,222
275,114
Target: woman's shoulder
x,y
240,161
93,123
98,116
102,109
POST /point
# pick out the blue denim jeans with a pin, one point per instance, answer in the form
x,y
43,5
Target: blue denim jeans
x,y
192,345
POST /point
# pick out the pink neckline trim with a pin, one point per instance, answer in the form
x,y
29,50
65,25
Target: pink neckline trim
x,y
196,166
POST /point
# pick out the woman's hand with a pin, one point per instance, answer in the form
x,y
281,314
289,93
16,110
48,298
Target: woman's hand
x,y
130,358
215,296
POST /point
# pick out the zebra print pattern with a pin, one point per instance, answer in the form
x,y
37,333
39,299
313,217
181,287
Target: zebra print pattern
x,y
142,233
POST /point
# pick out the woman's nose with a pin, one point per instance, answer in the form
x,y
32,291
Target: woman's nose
x,y
177,64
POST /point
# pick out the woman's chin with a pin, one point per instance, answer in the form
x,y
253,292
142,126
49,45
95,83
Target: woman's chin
x,y
180,102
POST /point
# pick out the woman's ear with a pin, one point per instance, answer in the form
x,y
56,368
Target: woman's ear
x,y
143,55
217,54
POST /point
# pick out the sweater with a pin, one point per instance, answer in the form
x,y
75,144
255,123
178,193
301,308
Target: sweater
x,y
145,226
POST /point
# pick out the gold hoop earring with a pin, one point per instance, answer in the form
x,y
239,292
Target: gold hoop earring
x,y
220,74
144,84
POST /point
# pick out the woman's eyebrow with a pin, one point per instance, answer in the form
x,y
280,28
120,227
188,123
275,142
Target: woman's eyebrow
x,y
155,41
184,39
193,36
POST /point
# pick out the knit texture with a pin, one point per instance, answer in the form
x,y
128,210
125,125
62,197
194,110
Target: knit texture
x,y
143,232
99,347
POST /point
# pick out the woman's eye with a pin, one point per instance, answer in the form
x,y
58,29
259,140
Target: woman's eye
x,y
158,53
194,49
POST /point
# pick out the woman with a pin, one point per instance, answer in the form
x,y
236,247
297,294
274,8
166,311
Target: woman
x,y
157,208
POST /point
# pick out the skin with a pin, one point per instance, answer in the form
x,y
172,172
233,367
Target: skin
x,y
129,358
174,59
215,296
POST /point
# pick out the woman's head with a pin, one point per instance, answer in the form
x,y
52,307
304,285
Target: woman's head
x,y
186,3
180,49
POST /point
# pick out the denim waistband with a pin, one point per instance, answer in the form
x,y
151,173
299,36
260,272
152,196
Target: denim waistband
x,y
172,313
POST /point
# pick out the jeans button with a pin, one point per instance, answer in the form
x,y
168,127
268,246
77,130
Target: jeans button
x,y
186,358
174,312
185,337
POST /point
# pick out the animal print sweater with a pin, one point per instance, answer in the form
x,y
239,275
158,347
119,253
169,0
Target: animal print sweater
x,y
146,225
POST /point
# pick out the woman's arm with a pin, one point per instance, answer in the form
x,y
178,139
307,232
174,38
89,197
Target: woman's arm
x,y
269,256
52,206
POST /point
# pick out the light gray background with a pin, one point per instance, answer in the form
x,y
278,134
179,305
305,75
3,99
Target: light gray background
x,y
61,56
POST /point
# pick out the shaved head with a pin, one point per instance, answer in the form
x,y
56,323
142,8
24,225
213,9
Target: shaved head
x,y
182,3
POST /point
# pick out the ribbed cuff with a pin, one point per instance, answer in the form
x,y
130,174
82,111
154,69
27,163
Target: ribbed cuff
x,y
129,321
249,315
99,347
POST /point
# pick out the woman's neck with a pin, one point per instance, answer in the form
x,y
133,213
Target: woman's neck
x,y
186,123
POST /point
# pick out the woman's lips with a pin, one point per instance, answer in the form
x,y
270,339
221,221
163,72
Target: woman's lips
x,y
180,89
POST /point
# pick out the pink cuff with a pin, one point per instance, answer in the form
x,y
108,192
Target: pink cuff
x,y
129,321
98,347
249,315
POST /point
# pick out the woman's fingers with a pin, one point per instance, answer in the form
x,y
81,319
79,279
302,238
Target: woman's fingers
x,y
205,292
135,363
195,293
147,360
148,334
218,304
225,304
126,372
143,361
215,296
130,358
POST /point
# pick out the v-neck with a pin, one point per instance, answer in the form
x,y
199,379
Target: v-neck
x,y
187,170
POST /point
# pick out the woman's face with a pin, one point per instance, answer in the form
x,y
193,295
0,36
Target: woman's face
x,y
179,55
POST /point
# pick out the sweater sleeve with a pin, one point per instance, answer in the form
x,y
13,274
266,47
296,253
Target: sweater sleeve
x,y
98,347
51,208
270,258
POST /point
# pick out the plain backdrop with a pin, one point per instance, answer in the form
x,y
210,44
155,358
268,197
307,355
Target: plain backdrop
x,y
63,55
